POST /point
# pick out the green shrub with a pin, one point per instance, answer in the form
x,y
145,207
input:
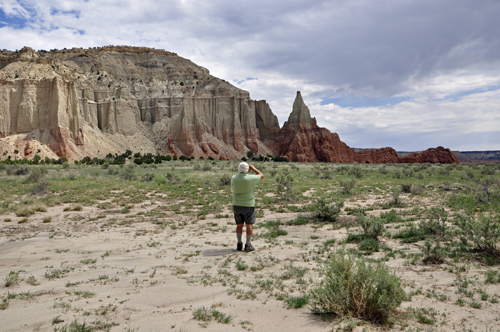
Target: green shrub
x,y
356,171
296,302
129,173
372,227
435,224
369,245
325,173
483,233
36,174
12,278
21,171
273,229
326,209
284,188
41,188
353,287
206,315
492,277
410,235
148,177
225,180
433,252
406,187
172,179
347,186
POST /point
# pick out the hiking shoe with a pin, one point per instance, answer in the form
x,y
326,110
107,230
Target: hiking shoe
x,y
239,246
248,248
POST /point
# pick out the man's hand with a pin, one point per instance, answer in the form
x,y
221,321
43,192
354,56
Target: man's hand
x,y
252,167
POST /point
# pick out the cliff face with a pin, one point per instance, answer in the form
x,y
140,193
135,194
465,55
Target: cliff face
x,y
96,101
76,103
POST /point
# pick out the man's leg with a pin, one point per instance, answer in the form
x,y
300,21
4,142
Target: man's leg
x,y
239,235
249,234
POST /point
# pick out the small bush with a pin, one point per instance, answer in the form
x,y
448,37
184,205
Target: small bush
x,y
284,188
172,179
369,245
417,190
433,252
225,180
325,173
296,302
347,186
326,209
148,177
206,315
492,277
12,278
36,175
410,235
21,171
353,287
435,224
483,233
396,200
129,173
372,227
25,212
357,172
273,230
39,189
406,187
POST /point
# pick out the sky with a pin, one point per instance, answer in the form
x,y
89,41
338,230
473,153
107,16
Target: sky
x,y
410,74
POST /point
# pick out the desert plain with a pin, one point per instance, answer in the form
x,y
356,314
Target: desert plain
x,y
152,247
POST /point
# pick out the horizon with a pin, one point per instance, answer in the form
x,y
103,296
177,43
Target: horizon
x,y
410,75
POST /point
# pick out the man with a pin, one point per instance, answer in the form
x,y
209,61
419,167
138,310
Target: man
x,y
243,185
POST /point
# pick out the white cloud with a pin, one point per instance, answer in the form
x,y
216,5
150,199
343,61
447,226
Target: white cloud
x,y
442,55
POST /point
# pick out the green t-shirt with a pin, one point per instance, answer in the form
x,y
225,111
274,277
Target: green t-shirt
x,y
243,189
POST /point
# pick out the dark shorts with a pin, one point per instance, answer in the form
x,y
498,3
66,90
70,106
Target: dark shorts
x,y
244,214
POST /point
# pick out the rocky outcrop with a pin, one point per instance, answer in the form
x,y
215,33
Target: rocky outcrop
x,y
91,102
432,155
96,101
301,139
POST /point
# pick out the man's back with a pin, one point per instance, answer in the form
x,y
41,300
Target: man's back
x,y
243,186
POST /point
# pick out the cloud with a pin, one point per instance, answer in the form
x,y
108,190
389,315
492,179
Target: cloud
x,y
414,73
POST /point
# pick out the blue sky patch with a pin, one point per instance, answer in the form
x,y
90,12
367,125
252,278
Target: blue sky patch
x,y
458,95
246,79
15,22
75,13
352,101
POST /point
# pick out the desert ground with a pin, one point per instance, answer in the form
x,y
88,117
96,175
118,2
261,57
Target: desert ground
x,y
152,247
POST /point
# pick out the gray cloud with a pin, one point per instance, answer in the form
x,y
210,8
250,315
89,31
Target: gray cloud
x,y
434,53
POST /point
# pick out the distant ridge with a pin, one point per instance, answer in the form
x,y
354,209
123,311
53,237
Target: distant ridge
x,y
478,156
471,157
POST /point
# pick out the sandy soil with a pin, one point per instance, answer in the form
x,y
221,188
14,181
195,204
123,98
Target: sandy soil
x,y
127,272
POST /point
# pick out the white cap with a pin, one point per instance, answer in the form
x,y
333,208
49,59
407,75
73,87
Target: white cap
x,y
243,168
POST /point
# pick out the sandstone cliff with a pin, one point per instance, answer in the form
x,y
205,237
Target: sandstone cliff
x,y
91,102
301,139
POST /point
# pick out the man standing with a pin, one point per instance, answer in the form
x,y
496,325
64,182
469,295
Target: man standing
x,y
243,185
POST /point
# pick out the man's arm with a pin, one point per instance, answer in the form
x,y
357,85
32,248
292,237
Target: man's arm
x,y
252,168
